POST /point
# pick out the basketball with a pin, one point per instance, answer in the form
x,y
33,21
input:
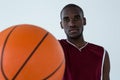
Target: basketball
x,y
29,52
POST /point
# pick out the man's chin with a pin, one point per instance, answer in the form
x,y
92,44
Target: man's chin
x,y
74,36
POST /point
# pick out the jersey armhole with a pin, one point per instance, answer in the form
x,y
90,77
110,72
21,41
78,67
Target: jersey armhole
x,y
104,53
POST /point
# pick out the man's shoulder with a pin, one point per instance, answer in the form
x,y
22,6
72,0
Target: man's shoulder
x,y
62,40
95,45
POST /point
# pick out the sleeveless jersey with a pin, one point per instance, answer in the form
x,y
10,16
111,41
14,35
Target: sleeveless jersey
x,y
83,64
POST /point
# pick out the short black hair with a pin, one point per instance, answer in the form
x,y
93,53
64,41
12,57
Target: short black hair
x,y
72,5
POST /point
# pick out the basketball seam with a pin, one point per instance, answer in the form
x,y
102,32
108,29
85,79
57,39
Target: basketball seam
x,y
54,71
29,56
3,53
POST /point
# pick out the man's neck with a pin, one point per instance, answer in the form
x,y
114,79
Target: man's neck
x,y
78,42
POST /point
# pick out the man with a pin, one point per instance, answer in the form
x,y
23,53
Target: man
x,y
84,60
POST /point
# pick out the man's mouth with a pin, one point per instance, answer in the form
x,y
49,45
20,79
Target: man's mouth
x,y
73,30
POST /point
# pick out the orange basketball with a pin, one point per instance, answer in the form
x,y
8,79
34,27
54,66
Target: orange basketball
x,y
28,52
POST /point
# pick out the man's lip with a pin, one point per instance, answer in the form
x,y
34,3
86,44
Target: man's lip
x,y
73,30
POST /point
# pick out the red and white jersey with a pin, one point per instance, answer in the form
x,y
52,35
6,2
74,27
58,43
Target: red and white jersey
x,y
85,63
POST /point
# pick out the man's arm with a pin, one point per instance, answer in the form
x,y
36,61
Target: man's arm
x,y
106,67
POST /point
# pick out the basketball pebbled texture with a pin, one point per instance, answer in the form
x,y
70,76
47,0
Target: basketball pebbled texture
x,y
29,52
